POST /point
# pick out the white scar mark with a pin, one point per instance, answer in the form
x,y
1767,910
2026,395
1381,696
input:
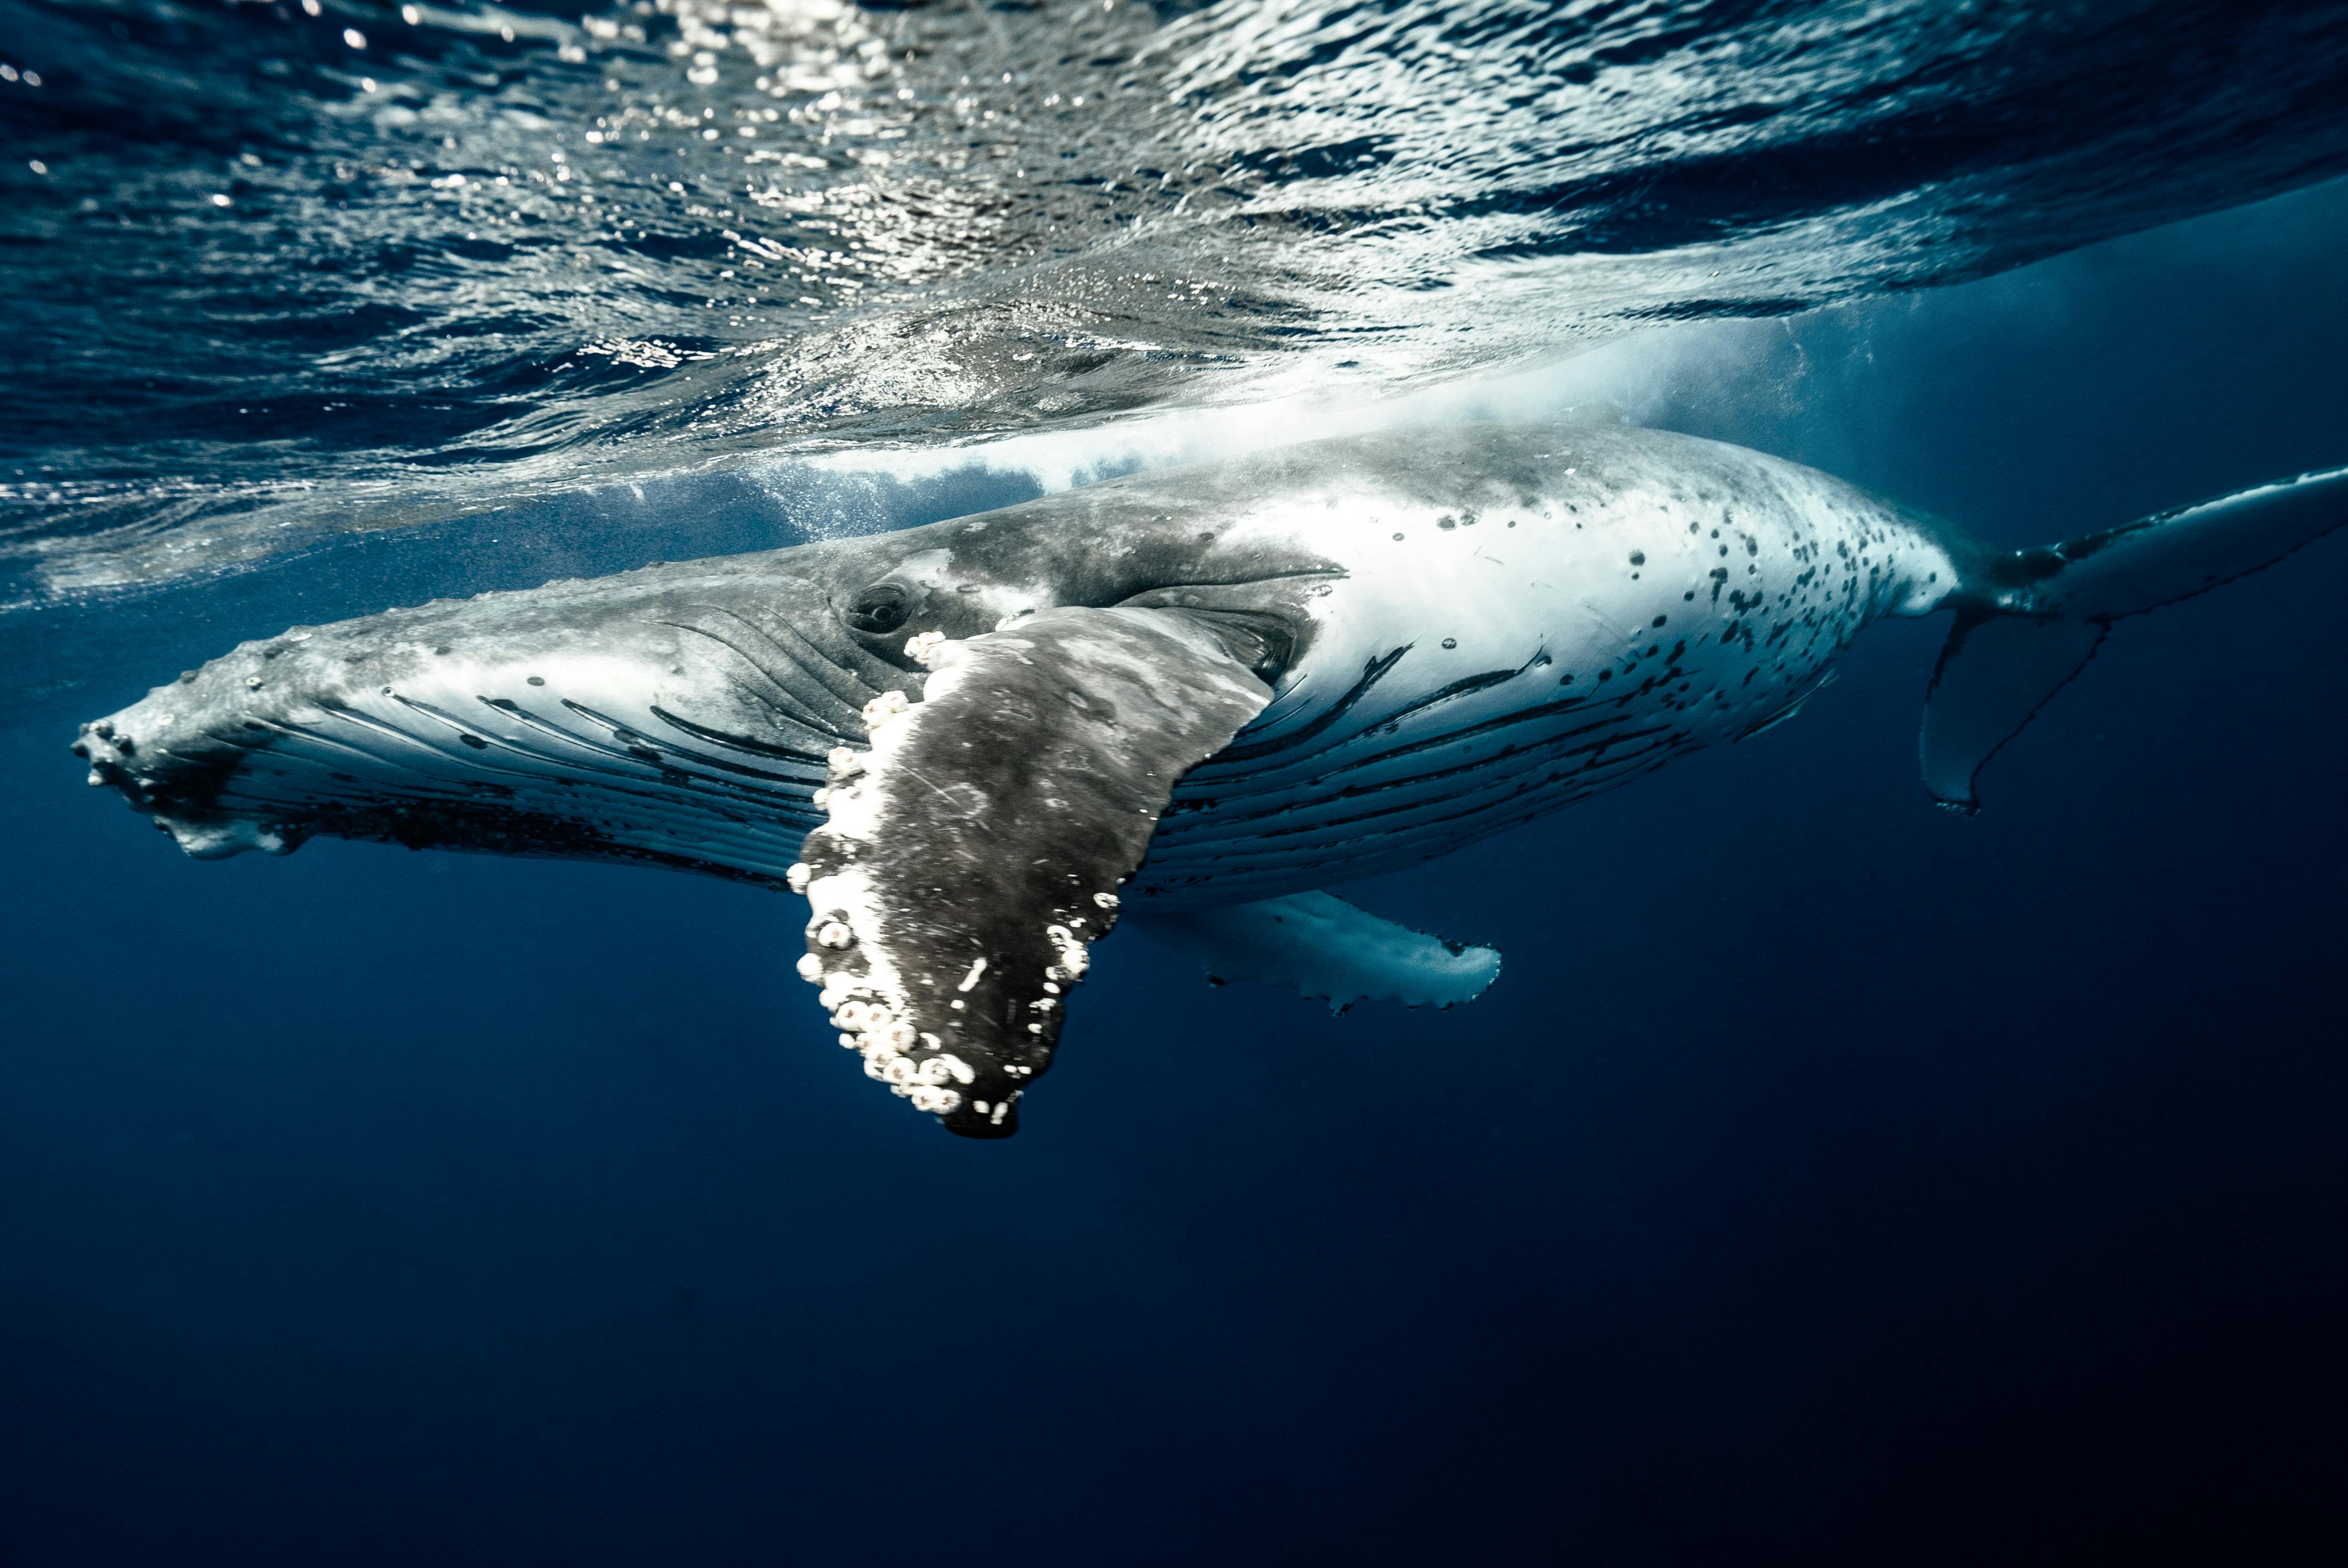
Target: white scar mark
x,y
979,822
925,779
970,978
1606,622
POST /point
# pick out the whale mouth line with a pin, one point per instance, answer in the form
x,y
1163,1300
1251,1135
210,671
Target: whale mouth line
x,y
750,744
689,811
675,733
827,677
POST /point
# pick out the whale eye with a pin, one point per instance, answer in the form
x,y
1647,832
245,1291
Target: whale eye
x,y
880,608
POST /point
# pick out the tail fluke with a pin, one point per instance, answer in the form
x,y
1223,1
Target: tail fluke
x,y
2039,615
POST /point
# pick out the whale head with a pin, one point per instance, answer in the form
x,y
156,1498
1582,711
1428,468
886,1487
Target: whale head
x,y
681,715
676,715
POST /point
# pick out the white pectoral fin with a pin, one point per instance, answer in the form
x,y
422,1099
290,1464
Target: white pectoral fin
x,y
1324,946
974,851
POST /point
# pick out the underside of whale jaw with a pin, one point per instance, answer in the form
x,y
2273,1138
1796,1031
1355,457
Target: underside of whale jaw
x,y
682,721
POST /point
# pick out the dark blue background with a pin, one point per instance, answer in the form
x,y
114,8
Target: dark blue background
x,y
1826,1179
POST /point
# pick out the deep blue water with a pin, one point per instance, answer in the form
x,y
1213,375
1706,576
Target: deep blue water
x,y
1901,1188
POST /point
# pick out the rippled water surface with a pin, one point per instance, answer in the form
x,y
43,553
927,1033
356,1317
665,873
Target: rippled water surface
x,y
284,269
1827,1180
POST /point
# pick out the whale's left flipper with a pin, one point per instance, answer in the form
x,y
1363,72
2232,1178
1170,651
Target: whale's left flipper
x,y
2029,622
1324,946
976,850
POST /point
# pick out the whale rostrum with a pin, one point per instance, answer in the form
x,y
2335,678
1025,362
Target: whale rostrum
x,y
1194,698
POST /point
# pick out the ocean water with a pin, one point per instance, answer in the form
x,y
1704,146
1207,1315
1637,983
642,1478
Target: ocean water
x,y
1898,1188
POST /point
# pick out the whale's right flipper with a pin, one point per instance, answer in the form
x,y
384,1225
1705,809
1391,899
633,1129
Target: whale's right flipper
x,y
1324,946
975,852
2036,616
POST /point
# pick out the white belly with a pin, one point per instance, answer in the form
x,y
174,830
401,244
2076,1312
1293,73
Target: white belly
x,y
1529,644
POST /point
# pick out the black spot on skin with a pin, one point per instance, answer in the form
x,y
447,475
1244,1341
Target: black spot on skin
x,y
1638,558
1690,594
475,741
1397,538
1451,643
1565,679
536,679
1661,619
1447,521
1605,675
441,651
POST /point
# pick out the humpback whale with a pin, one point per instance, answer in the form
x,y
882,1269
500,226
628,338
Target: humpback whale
x,y
1192,700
